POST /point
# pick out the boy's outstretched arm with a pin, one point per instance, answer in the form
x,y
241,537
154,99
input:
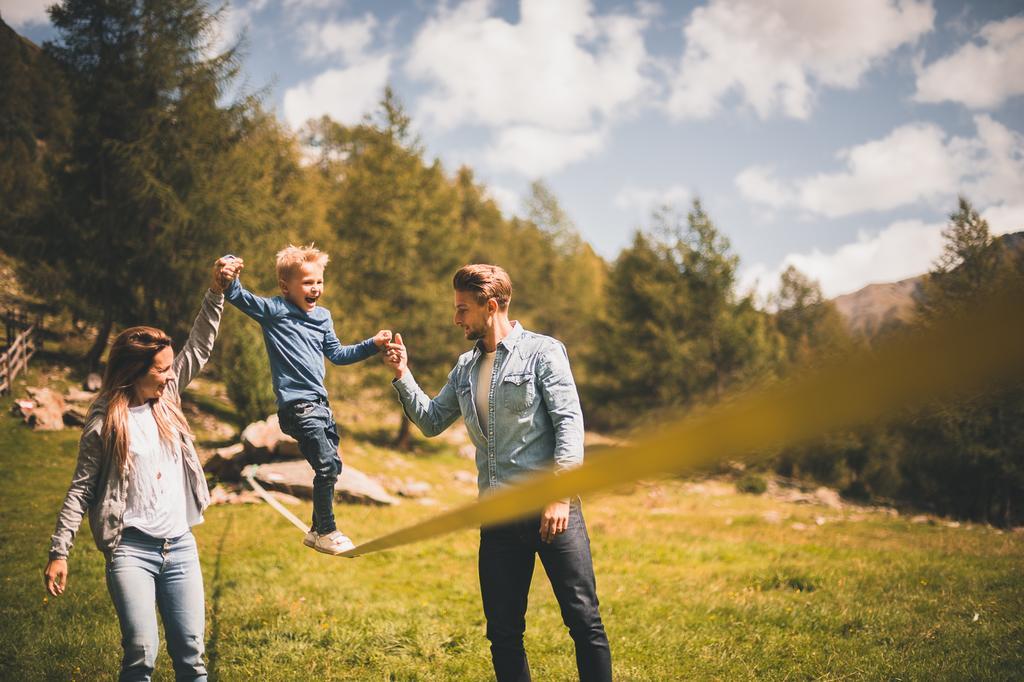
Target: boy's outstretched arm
x,y
256,307
341,354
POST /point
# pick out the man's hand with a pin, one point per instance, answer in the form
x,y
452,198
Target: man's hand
x,y
382,338
224,270
397,357
56,576
554,520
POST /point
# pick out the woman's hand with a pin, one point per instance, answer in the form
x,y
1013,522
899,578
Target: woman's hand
x,y
224,271
56,576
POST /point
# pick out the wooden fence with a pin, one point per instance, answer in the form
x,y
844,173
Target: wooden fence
x,y
22,343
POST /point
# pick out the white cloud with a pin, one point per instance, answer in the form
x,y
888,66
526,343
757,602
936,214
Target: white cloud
x,y
758,184
346,39
20,13
233,19
644,200
343,94
915,163
509,201
776,53
979,75
1004,218
560,75
534,151
561,67
903,249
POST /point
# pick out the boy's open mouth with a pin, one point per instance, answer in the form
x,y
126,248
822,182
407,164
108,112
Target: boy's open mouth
x,y
311,300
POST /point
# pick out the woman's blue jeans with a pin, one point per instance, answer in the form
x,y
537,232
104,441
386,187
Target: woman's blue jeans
x,y
145,574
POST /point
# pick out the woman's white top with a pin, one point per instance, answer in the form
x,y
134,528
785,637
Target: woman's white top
x,y
159,502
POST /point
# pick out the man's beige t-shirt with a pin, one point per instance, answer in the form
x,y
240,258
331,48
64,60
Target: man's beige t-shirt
x,y
483,388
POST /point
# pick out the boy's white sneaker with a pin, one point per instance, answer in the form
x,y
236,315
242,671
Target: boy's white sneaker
x,y
334,542
310,539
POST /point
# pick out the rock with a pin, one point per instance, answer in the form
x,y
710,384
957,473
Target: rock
x,y
227,463
828,497
265,439
74,417
772,516
23,407
596,441
284,498
75,395
93,382
463,476
48,414
414,489
296,478
922,518
798,526
221,495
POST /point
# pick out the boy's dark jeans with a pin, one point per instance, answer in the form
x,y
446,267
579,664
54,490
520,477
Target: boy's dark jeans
x,y
507,554
311,422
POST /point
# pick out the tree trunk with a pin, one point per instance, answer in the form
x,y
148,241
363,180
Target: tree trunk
x,y
403,439
92,358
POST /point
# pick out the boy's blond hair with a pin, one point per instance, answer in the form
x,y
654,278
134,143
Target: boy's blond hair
x,y
291,258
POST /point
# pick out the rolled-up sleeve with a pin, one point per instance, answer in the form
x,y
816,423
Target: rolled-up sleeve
x,y
558,389
430,415
81,494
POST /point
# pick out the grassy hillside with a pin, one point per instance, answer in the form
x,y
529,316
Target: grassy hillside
x,y
696,581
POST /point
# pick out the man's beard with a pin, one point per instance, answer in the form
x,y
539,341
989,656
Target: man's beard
x,y
475,334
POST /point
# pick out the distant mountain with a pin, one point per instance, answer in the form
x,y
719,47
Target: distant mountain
x,y
878,307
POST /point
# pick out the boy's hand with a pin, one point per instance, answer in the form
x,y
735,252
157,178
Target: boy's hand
x,y
396,357
224,271
382,338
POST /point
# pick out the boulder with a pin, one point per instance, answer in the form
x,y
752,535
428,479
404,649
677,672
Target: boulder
x,y
23,407
227,463
74,417
463,476
296,478
264,440
414,489
828,497
93,382
48,414
75,395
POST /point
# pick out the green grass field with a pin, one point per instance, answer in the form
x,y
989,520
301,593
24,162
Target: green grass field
x,y
694,585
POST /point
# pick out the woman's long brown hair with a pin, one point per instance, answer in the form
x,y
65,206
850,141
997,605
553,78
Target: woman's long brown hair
x,y
130,358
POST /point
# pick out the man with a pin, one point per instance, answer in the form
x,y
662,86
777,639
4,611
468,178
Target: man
x,y
516,392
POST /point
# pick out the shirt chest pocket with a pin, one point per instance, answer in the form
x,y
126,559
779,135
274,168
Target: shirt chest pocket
x,y
519,391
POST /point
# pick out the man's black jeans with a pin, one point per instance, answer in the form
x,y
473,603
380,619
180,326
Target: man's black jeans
x,y
507,555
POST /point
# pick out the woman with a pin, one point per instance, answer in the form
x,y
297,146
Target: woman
x,y
140,480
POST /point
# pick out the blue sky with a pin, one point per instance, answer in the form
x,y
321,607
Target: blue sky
x,y
834,135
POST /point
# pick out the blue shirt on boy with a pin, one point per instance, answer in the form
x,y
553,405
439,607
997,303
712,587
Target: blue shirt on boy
x,y
297,343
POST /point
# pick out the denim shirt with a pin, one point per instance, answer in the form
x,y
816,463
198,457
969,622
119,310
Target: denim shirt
x,y
534,421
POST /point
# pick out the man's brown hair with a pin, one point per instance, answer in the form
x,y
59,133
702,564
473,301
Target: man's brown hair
x,y
486,281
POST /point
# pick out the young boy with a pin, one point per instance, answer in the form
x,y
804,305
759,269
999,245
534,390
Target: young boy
x,y
298,334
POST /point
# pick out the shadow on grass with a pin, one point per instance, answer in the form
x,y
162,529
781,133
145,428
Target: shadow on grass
x,y
211,649
384,437
218,408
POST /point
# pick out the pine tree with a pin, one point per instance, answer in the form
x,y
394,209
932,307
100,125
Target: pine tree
x,y
145,200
